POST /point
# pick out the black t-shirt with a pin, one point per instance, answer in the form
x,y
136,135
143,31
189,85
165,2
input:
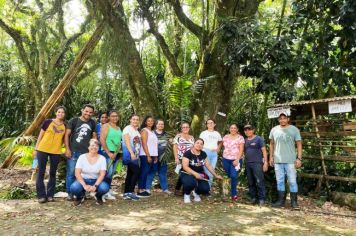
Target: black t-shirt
x,y
196,162
253,152
81,133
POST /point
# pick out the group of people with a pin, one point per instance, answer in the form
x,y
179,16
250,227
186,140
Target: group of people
x,y
92,151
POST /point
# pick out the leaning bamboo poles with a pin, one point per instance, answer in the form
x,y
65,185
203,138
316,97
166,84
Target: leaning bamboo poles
x,y
61,88
321,152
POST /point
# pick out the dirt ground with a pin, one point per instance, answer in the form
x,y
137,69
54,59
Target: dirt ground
x,y
168,215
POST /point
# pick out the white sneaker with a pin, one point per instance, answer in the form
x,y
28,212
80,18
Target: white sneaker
x,y
112,192
196,197
187,198
167,191
148,190
108,196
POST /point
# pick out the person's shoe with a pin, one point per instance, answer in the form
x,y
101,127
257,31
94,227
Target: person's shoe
x,y
70,197
143,194
126,196
261,203
78,201
42,200
294,201
167,191
253,201
234,198
112,192
148,191
99,201
196,197
281,200
187,198
50,199
109,196
133,197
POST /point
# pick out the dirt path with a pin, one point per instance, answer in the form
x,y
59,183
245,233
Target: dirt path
x,y
162,215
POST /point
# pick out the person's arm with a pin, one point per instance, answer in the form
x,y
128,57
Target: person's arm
x,y
188,170
68,152
128,145
271,149
239,155
298,161
100,179
211,169
80,179
265,158
40,136
103,135
144,138
220,144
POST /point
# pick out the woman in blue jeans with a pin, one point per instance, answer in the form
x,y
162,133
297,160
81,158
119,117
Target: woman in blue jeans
x,y
90,172
110,140
159,167
193,176
232,157
212,144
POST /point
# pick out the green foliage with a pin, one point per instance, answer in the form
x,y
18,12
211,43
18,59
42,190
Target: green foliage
x,y
18,193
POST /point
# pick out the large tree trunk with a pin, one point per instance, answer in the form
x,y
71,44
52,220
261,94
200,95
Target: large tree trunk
x,y
144,99
61,88
217,92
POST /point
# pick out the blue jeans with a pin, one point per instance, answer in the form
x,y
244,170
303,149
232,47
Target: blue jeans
x,y
232,173
70,173
144,169
162,174
283,169
190,183
213,158
111,167
78,190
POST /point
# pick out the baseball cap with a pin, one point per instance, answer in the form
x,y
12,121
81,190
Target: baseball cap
x,y
248,126
282,114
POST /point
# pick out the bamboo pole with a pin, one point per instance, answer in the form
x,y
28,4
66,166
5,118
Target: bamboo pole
x,y
328,177
61,88
321,153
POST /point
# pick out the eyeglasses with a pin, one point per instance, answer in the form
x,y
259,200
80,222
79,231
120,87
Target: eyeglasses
x,y
185,127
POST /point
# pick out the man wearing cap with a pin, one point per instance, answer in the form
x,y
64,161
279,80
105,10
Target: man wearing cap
x,y
283,141
255,163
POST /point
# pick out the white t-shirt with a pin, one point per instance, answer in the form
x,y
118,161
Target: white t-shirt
x,y
90,171
131,131
211,139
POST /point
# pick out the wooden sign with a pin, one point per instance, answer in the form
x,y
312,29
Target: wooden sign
x,y
276,111
340,106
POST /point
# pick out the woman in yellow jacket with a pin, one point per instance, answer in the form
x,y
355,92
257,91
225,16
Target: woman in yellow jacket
x,y
49,144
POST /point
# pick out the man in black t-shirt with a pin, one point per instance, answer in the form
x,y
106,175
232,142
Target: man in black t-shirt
x,y
78,134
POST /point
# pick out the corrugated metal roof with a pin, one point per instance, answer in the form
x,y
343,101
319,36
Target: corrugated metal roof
x,y
298,103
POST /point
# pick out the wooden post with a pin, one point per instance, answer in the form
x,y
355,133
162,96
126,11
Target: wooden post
x,y
321,154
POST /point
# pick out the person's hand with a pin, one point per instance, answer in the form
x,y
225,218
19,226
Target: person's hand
x,y
34,153
133,156
265,167
68,153
198,176
236,162
218,177
155,160
111,155
297,163
92,188
149,159
271,162
87,188
177,161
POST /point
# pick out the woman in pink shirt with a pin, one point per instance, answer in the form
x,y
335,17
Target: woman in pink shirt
x,y
232,157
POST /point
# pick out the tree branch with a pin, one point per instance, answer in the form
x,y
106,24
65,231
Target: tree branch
x,y
19,41
160,39
184,20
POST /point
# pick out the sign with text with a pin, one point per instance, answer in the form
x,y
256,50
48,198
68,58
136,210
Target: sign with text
x,y
340,106
276,111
